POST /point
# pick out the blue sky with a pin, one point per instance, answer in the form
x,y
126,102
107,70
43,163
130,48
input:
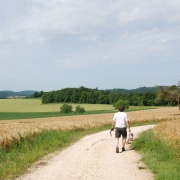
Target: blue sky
x,y
49,45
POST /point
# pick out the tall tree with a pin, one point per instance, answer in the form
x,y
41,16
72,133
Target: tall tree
x,y
170,94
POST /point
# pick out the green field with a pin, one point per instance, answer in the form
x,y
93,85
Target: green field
x,y
35,105
33,108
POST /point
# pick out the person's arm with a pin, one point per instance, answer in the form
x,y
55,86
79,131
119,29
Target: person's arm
x,y
113,124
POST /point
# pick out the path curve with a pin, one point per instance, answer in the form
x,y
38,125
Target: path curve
x,y
92,158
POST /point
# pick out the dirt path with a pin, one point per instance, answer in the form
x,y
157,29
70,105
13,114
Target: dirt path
x,y
92,158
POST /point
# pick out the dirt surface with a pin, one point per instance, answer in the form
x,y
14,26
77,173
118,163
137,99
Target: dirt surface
x,y
92,158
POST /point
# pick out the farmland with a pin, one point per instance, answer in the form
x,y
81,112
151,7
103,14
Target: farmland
x,y
11,130
35,105
12,109
169,132
38,133
33,108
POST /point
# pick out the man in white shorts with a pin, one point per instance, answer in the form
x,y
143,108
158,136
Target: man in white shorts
x,y
121,122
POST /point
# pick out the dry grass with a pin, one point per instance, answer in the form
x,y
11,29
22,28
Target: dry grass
x,y
169,131
14,129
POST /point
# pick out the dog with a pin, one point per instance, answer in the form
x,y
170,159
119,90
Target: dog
x,y
130,138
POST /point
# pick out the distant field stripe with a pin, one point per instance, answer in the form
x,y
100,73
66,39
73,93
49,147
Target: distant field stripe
x,y
30,115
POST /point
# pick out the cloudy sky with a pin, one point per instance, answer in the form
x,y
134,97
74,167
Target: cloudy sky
x,y
53,44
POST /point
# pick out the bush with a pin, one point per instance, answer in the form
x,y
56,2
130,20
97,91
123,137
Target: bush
x,y
65,108
121,103
79,110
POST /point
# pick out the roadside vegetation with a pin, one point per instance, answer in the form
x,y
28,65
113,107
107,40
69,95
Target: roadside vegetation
x,y
160,150
17,158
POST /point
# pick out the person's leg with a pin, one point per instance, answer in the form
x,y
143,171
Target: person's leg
x,y
117,136
117,145
124,136
123,143
117,142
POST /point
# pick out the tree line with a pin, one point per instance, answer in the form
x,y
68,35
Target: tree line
x,y
95,96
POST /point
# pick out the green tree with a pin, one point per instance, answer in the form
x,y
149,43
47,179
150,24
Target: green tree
x,y
65,108
83,97
170,94
113,97
37,94
103,99
148,99
79,110
48,97
121,103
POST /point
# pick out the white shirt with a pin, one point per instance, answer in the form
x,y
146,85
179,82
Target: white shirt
x,y
120,118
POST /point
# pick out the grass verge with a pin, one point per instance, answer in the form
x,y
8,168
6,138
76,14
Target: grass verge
x,y
163,160
21,155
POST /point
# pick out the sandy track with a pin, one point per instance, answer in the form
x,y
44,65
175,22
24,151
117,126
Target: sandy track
x,y
93,157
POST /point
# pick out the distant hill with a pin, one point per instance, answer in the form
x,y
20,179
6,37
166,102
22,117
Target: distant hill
x,y
6,94
137,90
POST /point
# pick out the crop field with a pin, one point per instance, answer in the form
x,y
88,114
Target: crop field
x,y
13,130
169,132
11,109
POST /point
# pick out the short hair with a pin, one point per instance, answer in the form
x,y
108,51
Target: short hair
x,y
121,108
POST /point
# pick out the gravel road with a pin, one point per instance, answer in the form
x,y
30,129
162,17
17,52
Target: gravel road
x,y
92,158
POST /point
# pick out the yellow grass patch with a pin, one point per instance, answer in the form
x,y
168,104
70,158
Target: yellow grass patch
x,y
161,114
11,130
169,131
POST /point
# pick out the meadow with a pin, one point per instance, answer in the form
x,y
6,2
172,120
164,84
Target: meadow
x,y
33,108
35,105
11,109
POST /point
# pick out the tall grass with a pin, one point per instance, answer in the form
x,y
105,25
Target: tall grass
x,y
169,131
162,157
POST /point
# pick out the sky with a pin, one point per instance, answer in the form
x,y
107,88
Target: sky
x,y
49,45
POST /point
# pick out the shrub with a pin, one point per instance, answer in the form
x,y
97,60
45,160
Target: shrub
x,y
121,103
79,109
65,108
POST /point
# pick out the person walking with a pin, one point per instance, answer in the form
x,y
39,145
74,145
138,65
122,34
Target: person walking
x,y
120,122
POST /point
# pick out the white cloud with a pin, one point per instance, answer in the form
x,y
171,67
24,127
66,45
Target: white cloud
x,y
74,34
49,19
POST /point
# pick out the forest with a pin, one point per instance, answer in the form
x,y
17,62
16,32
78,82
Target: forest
x,y
96,96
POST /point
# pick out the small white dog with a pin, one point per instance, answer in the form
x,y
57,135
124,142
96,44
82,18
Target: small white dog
x,y
129,137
